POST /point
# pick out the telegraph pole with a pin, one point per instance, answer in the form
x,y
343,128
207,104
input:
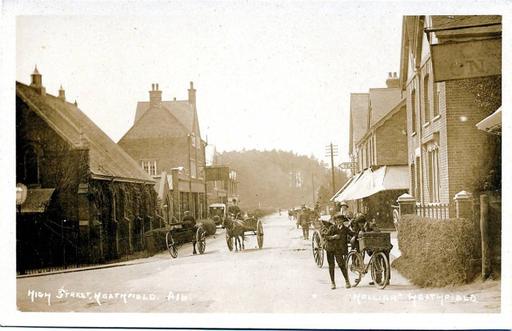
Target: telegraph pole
x,y
332,151
313,185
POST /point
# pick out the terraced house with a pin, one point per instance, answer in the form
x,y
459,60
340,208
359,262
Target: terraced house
x,y
88,201
378,149
451,76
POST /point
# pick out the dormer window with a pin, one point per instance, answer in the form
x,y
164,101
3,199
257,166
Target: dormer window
x,y
149,166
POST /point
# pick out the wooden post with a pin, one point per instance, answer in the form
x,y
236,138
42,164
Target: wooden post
x,y
484,231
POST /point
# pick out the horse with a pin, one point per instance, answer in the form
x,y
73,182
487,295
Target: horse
x,y
235,229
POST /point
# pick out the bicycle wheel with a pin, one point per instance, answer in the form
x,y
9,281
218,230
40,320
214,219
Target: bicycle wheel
x,y
318,251
355,265
379,267
171,245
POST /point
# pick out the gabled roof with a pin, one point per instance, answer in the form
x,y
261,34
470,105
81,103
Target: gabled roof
x,y
106,158
157,123
382,101
358,117
182,110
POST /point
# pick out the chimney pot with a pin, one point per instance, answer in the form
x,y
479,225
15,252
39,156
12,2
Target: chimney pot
x,y
192,94
155,96
62,93
37,82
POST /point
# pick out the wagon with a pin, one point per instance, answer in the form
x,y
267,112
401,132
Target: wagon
x,y
178,236
252,227
218,212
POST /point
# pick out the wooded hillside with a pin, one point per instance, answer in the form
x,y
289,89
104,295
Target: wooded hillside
x,y
279,179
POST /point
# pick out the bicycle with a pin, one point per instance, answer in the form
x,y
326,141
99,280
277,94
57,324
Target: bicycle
x,y
376,245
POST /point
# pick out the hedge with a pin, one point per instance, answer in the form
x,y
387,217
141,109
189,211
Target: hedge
x,y
436,252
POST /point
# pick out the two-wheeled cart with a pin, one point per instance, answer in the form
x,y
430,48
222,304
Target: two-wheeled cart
x,y
180,235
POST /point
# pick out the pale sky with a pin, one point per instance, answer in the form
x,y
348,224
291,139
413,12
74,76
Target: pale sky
x,y
268,75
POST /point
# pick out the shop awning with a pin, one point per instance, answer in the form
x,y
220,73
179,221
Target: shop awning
x,y
491,123
37,200
370,182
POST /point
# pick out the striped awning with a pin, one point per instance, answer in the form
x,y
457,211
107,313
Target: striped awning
x,y
369,182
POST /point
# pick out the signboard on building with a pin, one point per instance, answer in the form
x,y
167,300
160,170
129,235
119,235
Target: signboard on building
x,y
469,59
217,173
347,165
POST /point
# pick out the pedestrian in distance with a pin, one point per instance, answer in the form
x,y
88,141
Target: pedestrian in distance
x,y
189,222
336,236
305,222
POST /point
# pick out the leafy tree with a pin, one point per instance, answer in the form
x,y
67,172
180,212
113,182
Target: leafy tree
x,y
279,179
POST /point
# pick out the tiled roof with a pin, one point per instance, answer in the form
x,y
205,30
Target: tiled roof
x,y
182,110
106,158
382,101
358,116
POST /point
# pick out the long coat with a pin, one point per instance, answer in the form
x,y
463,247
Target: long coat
x,y
340,245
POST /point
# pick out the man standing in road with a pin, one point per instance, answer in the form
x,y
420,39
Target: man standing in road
x,y
336,241
305,222
189,222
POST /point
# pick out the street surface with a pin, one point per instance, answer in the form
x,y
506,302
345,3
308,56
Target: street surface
x,y
280,278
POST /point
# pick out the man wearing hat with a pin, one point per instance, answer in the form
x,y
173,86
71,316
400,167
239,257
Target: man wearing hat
x,y
344,208
189,222
336,236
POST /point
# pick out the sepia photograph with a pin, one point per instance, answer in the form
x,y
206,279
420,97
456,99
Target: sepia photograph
x,y
254,159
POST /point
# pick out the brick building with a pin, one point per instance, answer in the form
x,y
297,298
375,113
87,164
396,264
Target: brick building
x,y
222,184
88,201
378,147
165,137
448,92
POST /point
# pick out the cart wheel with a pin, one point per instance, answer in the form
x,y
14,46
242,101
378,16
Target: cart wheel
x,y
379,266
171,245
259,233
318,251
355,265
201,240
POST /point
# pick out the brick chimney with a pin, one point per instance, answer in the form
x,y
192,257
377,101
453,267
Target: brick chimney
x,y
192,94
62,94
155,96
392,81
37,82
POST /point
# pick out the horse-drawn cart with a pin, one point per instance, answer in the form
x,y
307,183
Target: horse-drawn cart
x,y
236,228
179,235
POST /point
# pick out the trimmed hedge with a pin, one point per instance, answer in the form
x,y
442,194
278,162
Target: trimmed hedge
x,y
436,252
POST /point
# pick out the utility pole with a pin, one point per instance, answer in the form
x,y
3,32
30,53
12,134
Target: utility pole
x,y
313,184
332,151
